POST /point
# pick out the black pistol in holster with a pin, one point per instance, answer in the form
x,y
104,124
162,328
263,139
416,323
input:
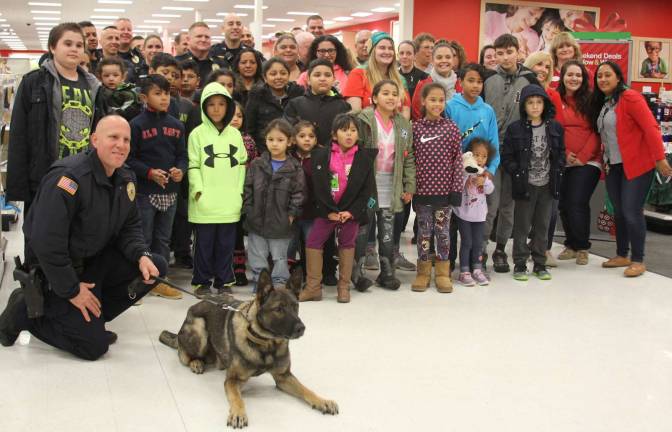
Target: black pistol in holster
x,y
31,283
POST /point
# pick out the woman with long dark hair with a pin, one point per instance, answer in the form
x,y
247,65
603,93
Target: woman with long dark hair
x,y
583,150
247,67
329,48
633,149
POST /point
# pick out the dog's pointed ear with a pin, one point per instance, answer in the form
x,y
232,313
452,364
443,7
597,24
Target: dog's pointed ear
x,y
295,281
264,285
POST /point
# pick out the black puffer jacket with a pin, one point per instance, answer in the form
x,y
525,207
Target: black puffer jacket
x,y
263,106
319,110
516,150
270,198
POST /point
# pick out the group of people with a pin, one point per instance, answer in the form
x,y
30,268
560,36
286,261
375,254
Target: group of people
x,y
318,152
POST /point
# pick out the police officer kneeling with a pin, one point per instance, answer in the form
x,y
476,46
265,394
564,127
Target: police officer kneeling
x,y
84,234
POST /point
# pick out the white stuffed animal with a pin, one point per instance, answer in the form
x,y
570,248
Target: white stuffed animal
x,y
470,165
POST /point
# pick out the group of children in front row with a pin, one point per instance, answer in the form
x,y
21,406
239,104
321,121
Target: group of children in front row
x,y
372,164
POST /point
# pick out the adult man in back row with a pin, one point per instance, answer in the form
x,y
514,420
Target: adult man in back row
x,y
200,42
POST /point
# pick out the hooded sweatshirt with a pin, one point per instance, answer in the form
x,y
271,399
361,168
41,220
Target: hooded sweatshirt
x,y
475,120
517,147
216,166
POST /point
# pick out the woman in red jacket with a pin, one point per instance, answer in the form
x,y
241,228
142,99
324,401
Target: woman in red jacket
x,y
584,159
633,148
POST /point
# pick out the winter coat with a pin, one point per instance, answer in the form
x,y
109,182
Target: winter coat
x,y
361,186
272,197
320,110
475,120
580,137
502,91
35,128
404,160
263,106
216,166
517,147
308,206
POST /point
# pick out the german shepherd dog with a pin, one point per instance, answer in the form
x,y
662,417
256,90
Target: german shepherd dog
x,y
247,340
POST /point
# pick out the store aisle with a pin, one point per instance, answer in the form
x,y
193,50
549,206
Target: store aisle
x,y
587,351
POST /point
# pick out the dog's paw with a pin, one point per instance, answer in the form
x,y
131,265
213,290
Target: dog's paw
x,y
326,406
237,420
197,366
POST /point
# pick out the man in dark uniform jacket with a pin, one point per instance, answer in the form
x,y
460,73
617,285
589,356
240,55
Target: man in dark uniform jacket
x,y
84,233
200,43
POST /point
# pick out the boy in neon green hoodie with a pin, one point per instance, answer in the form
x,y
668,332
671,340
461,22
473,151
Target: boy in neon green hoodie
x,y
217,159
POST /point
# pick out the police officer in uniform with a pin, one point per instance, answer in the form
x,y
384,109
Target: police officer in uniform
x,y
84,234
137,66
199,51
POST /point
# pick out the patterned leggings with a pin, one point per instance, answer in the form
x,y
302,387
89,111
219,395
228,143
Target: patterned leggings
x,y
437,219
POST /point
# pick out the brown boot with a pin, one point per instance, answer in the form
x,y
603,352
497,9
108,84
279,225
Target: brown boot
x,y
635,269
617,261
442,277
313,289
423,276
346,258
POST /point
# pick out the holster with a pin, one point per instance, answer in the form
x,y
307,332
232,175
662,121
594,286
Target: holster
x,y
32,282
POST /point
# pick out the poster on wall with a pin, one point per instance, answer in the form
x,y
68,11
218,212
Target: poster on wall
x,y
534,24
595,52
651,59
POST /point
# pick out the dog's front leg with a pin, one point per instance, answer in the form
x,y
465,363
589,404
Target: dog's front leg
x,y
237,415
288,383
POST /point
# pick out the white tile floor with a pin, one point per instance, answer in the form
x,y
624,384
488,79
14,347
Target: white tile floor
x,y
587,351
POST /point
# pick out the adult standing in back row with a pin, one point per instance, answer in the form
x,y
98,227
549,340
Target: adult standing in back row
x,y
200,43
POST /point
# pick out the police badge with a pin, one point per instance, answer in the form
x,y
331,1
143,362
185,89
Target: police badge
x,y
130,189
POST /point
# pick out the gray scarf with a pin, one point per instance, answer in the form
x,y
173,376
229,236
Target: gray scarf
x,y
447,83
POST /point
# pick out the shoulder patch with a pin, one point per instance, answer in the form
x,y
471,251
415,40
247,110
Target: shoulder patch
x,y
68,185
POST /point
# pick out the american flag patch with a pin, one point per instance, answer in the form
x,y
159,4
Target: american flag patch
x,y
68,185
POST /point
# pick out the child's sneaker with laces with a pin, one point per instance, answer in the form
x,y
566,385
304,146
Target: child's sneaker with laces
x,y
520,272
480,277
466,279
540,272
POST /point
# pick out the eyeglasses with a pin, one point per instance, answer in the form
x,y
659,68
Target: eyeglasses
x,y
326,51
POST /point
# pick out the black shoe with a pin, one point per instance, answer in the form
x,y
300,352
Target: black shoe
x,y
363,284
183,262
224,290
111,337
499,261
386,277
8,330
330,280
241,279
201,291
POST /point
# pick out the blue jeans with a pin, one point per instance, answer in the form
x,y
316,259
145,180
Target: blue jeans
x,y
628,197
258,249
471,244
156,225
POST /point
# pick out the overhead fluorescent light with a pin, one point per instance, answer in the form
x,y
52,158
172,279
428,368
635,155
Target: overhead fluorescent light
x,y
153,21
114,17
5,25
44,4
302,13
361,14
268,25
167,15
383,9
177,8
46,18
227,13
102,23
245,6
115,2
280,20
194,1
213,20
328,22
53,12
148,26
108,10
343,18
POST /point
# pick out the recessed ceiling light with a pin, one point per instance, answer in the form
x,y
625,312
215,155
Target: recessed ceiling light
x,y
108,10
329,22
153,21
167,15
115,2
343,18
114,17
268,25
227,13
361,14
383,9
302,13
177,8
194,1
5,25
245,6
102,23
52,12
280,19
4,20
46,18
44,4
213,20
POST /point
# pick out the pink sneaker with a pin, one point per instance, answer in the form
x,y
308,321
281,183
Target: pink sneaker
x,y
480,277
466,279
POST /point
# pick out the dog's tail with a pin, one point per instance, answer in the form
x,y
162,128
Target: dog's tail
x,y
169,339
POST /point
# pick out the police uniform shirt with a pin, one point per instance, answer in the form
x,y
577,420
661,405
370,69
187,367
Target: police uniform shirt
x,y
77,213
76,116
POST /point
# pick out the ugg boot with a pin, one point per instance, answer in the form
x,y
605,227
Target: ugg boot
x,y
345,262
442,277
386,278
422,277
313,288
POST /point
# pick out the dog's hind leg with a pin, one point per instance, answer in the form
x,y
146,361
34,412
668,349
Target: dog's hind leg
x,y
288,383
237,415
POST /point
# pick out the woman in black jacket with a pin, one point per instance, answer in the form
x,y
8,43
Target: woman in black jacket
x,y
267,101
247,67
56,109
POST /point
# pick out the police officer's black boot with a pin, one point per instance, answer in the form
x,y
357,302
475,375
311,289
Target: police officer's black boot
x,y
8,329
386,278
